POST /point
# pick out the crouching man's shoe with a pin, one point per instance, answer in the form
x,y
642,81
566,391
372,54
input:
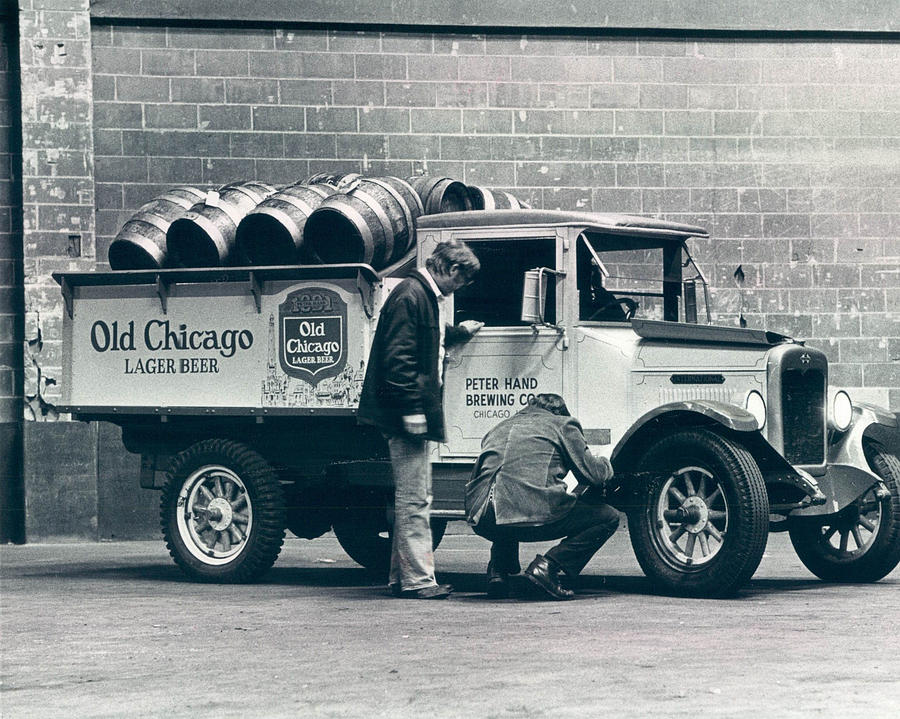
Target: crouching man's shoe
x,y
545,575
497,583
437,591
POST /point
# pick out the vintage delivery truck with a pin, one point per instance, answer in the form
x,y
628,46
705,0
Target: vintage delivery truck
x,y
239,387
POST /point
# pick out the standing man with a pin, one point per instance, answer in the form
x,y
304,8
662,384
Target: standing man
x,y
402,396
518,493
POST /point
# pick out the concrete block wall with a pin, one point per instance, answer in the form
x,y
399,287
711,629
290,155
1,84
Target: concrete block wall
x,y
57,179
787,151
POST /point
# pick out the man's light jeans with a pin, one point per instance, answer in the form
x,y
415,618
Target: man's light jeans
x,y
412,557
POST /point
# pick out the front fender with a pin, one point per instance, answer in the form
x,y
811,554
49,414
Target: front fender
x,y
727,415
730,421
847,474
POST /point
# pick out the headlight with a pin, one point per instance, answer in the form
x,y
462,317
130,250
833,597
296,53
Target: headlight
x,y
756,405
841,411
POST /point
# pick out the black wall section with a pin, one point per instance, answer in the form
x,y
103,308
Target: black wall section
x,y
875,16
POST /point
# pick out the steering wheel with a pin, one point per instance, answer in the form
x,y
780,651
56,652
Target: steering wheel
x,y
629,308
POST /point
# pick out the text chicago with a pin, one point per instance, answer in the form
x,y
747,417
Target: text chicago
x,y
160,336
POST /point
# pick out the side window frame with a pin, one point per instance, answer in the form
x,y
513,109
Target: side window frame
x,y
474,239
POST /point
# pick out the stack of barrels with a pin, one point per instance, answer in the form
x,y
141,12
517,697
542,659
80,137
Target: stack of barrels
x,y
327,218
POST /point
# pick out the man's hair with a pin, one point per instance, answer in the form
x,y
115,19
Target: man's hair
x,y
550,402
453,252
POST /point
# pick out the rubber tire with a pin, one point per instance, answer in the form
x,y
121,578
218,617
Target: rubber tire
x,y
266,498
359,534
884,552
746,499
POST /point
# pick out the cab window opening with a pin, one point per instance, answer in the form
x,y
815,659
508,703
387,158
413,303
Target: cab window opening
x,y
495,295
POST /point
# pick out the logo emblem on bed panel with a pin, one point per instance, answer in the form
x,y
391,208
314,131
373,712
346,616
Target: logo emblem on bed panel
x,y
312,333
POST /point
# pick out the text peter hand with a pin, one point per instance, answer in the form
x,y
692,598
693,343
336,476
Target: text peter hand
x,y
415,423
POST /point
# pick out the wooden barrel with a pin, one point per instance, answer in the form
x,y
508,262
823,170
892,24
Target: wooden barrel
x,y
141,243
441,194
272,232
343,181
483,198
372,223
205,235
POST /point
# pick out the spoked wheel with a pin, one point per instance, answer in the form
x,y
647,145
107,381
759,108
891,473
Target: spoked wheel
x,y
364,533
694,515
861,543
702,523
222,512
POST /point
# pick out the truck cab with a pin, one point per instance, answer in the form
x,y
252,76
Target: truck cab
x,y
612,313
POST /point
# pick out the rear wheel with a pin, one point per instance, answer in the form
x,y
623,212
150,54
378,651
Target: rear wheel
x,y
222,512
702,522
861,543
365,532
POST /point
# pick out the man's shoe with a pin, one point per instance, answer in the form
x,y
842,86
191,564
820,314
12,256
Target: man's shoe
x,y
395,588
545,575
436,591
497,583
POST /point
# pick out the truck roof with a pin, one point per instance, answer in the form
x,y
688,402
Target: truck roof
x,y
589,221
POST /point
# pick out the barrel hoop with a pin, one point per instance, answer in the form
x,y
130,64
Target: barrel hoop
x,y
254,196
398,197
283,218
230,210
317,188
383,218
146,244
291,200
186,203
412,191
434,202
151,219
214,232
487,197
427,188
354,215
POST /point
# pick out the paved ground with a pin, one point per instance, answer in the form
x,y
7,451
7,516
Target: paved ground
x,y
114,630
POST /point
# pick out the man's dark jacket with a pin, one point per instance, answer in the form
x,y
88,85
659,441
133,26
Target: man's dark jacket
x,y
526,458
402,377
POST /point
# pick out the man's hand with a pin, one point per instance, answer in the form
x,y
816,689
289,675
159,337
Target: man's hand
x,y
415,423
471,326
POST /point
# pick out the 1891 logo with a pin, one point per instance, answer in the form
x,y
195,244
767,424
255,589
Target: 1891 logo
x,y
312,334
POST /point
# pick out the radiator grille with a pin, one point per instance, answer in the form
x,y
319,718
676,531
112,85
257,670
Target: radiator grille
x,y
803,408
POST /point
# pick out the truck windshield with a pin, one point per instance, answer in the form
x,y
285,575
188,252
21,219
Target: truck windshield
x,y
495,296
624,284
620,277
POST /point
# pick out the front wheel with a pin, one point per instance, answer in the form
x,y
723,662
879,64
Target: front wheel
x,y
702,523
222,512
861,543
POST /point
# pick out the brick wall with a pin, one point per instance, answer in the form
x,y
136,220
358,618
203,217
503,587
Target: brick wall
x,y
788,151
57,179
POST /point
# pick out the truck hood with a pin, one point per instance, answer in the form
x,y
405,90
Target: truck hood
x,y
684,332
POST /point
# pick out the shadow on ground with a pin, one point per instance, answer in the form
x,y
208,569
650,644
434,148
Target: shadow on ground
x,y
350,577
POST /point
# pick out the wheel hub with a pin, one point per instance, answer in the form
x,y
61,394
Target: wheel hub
x,y
219,514
696,514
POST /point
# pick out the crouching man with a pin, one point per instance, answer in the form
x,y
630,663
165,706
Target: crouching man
x,y
517,493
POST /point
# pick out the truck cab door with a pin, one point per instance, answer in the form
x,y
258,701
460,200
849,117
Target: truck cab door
x,y
492,376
